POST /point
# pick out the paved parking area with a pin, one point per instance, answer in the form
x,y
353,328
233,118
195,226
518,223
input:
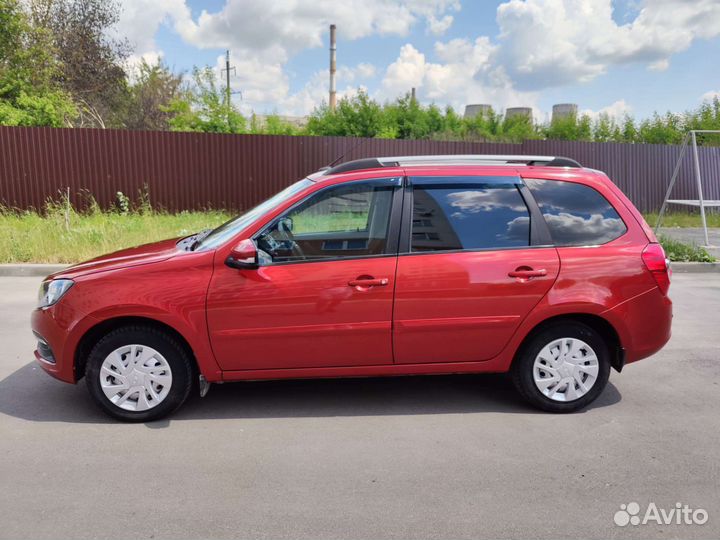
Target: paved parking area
x,y
425,457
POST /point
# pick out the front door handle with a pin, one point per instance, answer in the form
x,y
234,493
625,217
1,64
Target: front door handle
x,y
366,282
525,272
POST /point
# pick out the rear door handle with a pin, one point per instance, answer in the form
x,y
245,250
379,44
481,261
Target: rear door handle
x,y
368,282
524,272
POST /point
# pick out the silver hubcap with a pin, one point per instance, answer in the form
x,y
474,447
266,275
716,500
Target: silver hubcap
x,y
565,369
135,377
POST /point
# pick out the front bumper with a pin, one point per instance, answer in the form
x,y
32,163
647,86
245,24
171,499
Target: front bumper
x,y
58,330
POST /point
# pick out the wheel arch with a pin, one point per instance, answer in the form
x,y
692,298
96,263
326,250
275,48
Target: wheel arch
x,y
600,324
96,332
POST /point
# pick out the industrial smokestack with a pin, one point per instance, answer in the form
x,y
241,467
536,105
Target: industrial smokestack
x,y
333,48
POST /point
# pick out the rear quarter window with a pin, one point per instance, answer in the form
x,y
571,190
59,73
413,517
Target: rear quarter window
x,y
576,214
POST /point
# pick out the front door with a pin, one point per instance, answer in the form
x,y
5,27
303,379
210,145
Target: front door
x,y
323,294
472,270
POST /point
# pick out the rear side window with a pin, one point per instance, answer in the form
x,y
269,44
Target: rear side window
x,y
577,215
454,214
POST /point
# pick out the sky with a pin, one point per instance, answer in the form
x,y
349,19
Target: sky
x,y
619,57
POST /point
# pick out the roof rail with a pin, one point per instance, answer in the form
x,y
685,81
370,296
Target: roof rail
x,y
452,159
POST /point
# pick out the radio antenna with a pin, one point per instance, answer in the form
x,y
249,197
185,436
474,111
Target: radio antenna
x,y
341,156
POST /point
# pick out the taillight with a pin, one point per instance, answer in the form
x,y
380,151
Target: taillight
x,y
654,258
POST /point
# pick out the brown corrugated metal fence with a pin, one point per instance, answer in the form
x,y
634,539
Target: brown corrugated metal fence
x,y
200,170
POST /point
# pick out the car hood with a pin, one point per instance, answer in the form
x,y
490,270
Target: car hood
x,y
145,254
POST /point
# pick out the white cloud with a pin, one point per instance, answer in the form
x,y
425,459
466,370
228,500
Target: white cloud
x,y
134,61
616,110
437,26
466,74
546,43
263,35
482,200
279,29
570,229
270,92
710,95
350,81
659,65
541,43
574,229
555,42
140,20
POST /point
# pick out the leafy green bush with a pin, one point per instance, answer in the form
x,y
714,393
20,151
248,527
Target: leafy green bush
x,y
680,252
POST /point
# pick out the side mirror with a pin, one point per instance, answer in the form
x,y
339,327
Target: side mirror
x,y
243,256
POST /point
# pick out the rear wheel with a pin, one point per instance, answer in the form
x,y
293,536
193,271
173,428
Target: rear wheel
x,y
563,368
138,374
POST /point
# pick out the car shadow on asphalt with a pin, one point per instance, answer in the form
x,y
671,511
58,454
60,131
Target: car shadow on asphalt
x,y
30,394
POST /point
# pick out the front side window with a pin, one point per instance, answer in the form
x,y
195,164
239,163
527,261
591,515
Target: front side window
x,y
456,215
577,215
231,228
343,221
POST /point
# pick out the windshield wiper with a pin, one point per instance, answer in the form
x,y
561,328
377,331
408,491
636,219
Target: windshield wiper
x,y
199,237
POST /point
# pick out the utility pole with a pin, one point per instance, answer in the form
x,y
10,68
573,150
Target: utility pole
x,y
333,48
228,92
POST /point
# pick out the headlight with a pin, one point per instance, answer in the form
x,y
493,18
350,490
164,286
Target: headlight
x,y
52,290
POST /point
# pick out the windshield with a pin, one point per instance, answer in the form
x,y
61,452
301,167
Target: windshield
x,y
230,228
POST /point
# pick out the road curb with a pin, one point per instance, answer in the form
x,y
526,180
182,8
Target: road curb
x,y
694,267
25,270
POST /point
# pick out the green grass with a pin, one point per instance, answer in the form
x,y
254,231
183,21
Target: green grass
x,y
684,219
31,237
339,221
681,252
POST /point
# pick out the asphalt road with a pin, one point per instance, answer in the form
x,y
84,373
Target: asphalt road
x,y
424,457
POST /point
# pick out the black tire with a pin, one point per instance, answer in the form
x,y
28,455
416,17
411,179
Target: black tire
x,y
522,370
181,367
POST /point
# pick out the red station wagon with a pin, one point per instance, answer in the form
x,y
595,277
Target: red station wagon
x,y
531,265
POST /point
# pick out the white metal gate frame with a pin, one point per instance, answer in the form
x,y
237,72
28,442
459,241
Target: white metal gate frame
x,y
700,201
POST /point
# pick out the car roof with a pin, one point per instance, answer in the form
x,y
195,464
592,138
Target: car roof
x,y
546,167
450,159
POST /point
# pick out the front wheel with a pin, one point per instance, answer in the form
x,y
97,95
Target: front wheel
x,y
563,368
138,374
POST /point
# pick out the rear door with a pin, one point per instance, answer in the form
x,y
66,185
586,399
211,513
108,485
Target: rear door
x,y
475,259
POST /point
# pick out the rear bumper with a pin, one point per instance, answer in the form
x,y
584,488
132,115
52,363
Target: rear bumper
x,y
643,323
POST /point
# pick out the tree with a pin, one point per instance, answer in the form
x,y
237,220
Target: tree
x,y
149,97
485,126
272,125
605,129
201,106
628,133
28,96
410,117
90,61
661,130
356,116
518,128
